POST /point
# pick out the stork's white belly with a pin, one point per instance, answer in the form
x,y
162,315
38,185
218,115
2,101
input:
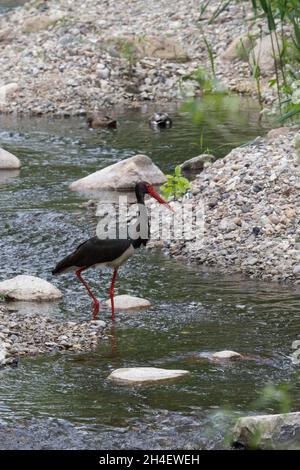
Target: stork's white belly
x,y
124,257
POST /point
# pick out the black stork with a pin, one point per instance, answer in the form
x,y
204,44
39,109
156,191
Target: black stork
x,y
97,252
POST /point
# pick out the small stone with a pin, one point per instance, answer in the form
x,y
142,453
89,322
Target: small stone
x,y
227,225
128,302
274,219
296,270
226,354
98,324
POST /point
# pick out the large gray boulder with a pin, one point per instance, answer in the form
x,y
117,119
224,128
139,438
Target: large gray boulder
x,y
29,288
280,431
8,161
122,175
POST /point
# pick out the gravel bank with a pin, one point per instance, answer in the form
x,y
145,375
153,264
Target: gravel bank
x,y
252,211
66,58
28,335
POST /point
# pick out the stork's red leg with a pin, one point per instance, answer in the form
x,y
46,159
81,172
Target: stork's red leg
x,y
111,293
95,300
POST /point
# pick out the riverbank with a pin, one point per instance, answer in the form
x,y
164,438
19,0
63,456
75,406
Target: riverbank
x,y
24,334
252,211
66,59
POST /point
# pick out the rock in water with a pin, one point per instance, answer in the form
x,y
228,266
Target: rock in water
x,y
226,354
145,374
128,302
29,288
281,431
122,175
8,161
199,163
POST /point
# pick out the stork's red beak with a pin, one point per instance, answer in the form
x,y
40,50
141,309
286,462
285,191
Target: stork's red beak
x,y
156,196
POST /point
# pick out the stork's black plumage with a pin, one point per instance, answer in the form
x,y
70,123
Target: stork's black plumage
x,y
91,253
107,252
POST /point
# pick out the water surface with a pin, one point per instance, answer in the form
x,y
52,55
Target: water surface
x,y
193,312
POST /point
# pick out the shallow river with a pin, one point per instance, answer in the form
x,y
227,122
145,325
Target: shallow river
x,y
65,400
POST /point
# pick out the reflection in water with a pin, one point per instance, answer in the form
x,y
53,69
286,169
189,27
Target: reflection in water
x,y
7,176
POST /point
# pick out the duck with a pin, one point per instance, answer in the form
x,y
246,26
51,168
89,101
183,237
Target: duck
x,y
95,121
160,120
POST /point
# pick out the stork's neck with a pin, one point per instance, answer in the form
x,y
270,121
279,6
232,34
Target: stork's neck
x,y
140,198
143,224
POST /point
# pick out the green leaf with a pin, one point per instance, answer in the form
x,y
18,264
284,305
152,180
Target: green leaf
x,y
289,114
177,170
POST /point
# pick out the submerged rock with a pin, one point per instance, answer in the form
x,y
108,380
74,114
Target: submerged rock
x,y
29,288
129,302
8,161
122,175
145,374
280,431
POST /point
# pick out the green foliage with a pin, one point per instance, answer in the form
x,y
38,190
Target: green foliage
x,y
127,50
176,185
207,83
277,396
279,16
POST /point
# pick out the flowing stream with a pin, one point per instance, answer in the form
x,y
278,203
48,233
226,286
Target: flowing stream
x,y
65,400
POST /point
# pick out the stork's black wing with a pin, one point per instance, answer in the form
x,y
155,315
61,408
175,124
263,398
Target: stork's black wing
x,y
91,252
